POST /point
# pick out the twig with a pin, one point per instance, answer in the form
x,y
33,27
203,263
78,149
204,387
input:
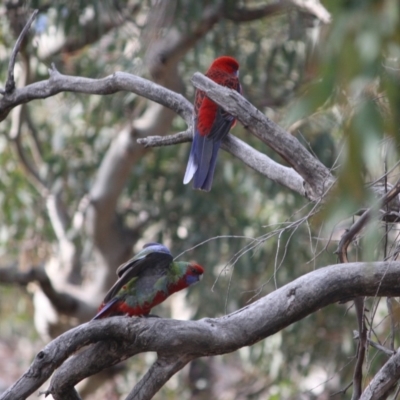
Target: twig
x,y
376,345
157,141
10,84
348,237
389,300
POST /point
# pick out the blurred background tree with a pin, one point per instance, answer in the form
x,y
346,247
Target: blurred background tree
x,y
79,195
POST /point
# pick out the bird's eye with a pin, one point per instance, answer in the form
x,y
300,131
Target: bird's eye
x,y
194,270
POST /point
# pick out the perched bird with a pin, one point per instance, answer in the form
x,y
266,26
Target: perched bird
x,y
211,124
147,280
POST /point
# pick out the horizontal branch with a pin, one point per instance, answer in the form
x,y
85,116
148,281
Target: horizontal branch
x,y
122,337
118,81
317,177
248,155
170,140
263,164
313,7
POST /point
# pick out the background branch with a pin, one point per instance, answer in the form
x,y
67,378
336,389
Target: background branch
x,y
10,84
64,302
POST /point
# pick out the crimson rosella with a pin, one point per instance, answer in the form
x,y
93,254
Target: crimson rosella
x,y
211,124
147,280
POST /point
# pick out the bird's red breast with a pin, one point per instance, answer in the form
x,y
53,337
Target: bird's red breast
x,y
123,308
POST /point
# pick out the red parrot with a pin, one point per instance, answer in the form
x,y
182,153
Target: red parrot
x,y
211,124
147,280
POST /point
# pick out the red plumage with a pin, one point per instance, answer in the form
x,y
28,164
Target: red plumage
x,y
211,124
147,280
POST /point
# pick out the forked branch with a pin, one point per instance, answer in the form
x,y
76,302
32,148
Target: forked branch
x,y
120,338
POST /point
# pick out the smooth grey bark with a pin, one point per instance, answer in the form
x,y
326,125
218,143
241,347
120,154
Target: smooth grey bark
x,y
385,380
120,338
176,102
317,177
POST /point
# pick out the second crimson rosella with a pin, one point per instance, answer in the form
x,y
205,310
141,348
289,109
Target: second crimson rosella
x,y
147,280
211,124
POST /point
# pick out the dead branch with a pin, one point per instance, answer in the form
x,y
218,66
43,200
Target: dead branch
x,y
116,82
313,7
317,177
120,337
170,140
123,81
385,380
10,84
256,160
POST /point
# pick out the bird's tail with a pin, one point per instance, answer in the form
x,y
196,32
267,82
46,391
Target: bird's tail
x,y
202,162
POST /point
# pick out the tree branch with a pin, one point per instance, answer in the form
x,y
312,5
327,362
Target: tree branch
x,y
156,377
313,7
348,237
385,380
170,140
111,84
256,160
244,14
317,177
261,163
123,81
122,337
10,84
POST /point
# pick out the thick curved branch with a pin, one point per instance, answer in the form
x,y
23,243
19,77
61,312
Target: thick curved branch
x,y
116,82
122,337
317,177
